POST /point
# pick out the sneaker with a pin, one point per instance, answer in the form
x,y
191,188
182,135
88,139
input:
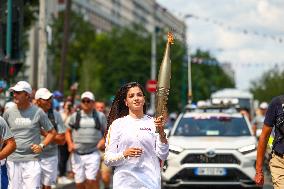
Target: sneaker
x,y
53,186
64,180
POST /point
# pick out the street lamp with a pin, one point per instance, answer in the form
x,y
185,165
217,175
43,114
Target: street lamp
x,y
189,92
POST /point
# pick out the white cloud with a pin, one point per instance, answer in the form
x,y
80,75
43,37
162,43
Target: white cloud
x,y
250,53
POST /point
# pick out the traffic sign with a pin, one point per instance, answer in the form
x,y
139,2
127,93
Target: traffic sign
x,y
151,86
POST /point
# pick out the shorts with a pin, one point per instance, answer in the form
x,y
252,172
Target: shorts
x,y
49,170
85,166
24,175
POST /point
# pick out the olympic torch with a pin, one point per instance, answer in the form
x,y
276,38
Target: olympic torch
x,y
164,78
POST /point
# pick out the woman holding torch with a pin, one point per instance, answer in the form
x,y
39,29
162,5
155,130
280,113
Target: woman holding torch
x,y
132,146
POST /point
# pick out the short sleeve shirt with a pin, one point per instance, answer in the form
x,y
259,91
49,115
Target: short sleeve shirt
x,y
5,132
52,148
274,114
86,137
25,125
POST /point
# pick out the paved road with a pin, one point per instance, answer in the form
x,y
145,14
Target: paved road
x,y
72,186
267,184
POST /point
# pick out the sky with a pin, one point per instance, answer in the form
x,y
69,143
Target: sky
x,y
248,34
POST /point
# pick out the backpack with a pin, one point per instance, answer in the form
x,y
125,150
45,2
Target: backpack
x,y
51,117
76,125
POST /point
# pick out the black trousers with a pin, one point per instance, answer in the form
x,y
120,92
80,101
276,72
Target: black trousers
x,y
63,158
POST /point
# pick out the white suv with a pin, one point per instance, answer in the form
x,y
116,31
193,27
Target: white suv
x,y
210,148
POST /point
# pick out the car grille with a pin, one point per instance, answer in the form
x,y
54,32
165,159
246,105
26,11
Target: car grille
x,y
203,158
232,175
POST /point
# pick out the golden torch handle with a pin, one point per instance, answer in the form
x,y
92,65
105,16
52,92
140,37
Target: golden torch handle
x,y
164,78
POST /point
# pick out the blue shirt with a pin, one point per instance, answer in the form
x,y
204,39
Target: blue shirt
x,y
273,115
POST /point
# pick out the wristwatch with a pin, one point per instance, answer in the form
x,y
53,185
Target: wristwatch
x,y
42,145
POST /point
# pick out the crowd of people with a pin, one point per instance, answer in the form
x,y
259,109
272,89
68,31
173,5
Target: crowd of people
x,y
48,140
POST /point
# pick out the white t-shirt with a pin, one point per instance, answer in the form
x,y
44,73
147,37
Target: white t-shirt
x,y
135,172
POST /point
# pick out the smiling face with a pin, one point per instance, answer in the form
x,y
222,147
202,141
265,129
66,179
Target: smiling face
x,y
135,99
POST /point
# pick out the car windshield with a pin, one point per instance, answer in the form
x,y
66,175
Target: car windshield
x,y
212,126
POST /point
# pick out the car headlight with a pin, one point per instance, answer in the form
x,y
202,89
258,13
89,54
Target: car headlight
x,y
175,149
247,149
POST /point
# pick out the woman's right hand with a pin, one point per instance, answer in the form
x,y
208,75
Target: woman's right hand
x,y
133,152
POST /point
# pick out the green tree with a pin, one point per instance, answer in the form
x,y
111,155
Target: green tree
x,y
108,60
208,76
82,35
269,85
128,58
124,56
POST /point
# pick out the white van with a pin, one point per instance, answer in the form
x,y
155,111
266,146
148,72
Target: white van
x,y
245,98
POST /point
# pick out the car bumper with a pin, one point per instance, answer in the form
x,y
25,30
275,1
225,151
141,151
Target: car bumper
x,y
187,177
238,173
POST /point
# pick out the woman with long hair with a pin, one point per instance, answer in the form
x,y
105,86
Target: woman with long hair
x,y
132,146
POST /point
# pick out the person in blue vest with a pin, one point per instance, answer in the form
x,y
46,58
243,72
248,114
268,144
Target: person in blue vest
x,y
85,131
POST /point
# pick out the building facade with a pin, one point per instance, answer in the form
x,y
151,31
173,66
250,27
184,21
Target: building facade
x,y
106,14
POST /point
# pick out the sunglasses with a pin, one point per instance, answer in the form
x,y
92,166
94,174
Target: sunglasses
x,y
46,99
18,92
86,101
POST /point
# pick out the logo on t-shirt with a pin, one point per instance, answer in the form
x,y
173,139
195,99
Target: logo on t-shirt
x,y
145,129
23,121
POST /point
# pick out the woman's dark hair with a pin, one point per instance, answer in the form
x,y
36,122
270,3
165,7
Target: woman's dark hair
x,y
118,107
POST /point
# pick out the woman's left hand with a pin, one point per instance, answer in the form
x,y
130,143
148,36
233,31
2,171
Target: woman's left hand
x,y
160,123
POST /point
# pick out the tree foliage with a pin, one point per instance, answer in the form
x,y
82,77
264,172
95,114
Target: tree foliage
x,y
82,36
269,85
208,78
108,60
